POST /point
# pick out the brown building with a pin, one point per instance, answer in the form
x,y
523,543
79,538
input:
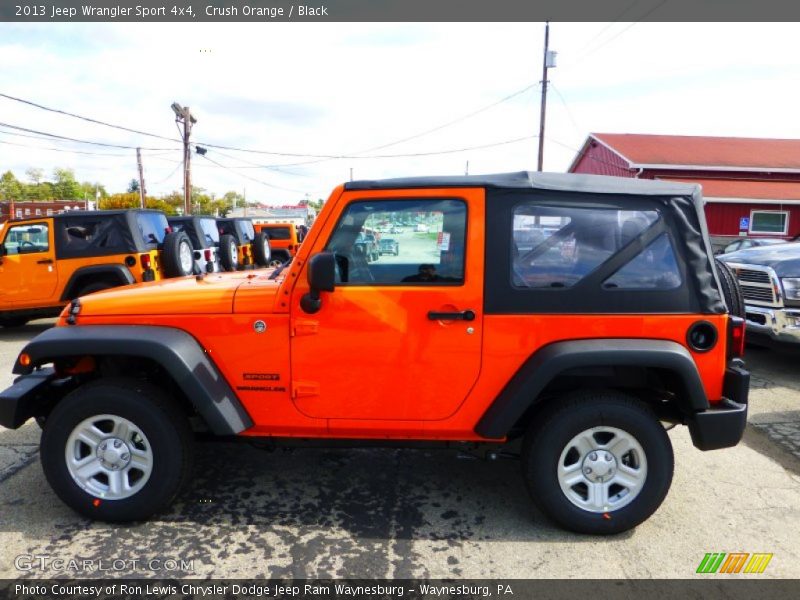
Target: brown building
x,y
25,209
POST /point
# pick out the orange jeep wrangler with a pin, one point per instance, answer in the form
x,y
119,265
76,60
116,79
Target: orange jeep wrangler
x,y
569,319
47,261
283,239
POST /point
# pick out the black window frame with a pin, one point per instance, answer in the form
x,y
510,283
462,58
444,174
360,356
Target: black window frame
x,y
405,284
587,296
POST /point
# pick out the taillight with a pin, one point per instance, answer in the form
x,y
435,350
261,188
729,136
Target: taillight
x,y
144,259
168,230
207,254
736,335
245,250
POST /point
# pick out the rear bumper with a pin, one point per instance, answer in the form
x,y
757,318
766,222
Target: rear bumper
x,y
723,425
23,400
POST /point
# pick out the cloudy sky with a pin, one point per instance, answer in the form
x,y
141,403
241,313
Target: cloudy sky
x,y
355,90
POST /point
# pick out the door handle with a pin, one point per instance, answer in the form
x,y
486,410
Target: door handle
x,y
45,261
464,315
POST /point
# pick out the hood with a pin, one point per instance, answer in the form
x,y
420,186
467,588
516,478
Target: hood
x,y
784,259
211,294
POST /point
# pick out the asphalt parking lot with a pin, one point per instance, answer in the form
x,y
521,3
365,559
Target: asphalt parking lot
x,y
402,513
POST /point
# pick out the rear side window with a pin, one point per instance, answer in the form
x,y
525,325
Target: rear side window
x,y
247,230
654,268
210,231
152,226
557,246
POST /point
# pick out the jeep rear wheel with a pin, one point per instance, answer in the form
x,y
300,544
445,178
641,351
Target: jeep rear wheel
x,y
598,463
731,292
178,255
228,253
261,249
116,450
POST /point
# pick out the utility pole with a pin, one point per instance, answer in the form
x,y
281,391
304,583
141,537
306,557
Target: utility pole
x,y
244,199
548,61
141,177
183,115
466,169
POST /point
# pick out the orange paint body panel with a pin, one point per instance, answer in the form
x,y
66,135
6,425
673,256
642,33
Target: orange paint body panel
x,y
371,364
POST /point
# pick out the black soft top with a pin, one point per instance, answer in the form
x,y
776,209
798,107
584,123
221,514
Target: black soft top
x,y
684,202
563,182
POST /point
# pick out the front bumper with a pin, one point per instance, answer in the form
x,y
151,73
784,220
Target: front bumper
x,y
777,324
26,398
723,425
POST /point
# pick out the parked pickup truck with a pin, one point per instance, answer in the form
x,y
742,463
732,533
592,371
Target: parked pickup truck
x,y
571,354
769,278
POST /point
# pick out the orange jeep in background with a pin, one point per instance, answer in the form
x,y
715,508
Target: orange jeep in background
x,y
564,319
283,240
47,261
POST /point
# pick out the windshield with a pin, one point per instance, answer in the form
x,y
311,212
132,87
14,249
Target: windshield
x,y
152,226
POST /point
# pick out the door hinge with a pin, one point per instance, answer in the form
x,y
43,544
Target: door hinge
x,y
305,327
301,389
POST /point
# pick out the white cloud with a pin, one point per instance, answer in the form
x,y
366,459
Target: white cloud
x,y
339,88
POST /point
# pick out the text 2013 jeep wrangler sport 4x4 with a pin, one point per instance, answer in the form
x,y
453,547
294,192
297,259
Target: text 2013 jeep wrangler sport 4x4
x,y
577,350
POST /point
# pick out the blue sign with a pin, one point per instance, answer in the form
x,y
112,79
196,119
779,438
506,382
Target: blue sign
x,y
744,223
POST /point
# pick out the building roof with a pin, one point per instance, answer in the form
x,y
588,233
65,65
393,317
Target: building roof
x,y
598,184
746,189
684,151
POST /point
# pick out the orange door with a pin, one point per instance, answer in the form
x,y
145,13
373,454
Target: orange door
x,y
374,350
28,274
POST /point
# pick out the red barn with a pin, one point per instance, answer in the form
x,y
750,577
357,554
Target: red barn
x,y
751,186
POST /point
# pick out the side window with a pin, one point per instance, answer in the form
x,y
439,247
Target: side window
x,y
556,246
27,239
428,248
654,268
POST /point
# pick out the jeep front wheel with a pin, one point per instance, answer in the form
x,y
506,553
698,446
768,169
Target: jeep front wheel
x,y
598,463
116,450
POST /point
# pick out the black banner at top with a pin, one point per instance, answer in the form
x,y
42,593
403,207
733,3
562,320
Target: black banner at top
x,y
149,11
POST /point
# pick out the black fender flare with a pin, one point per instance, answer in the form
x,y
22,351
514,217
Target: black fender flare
x,y
548,362
120,273
175,350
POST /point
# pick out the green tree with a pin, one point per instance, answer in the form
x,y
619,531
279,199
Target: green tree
x,y
65,186
33,191
133,186
10,187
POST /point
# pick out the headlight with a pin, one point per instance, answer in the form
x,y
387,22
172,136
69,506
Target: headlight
x,y
791,288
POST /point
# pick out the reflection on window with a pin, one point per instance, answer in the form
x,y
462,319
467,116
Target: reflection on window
x,y
557,246
654,268
401,242
27,239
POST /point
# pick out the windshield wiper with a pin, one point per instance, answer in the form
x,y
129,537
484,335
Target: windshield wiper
x,y
280,269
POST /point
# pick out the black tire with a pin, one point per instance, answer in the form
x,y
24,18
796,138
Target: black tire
x,y
95,287
165,427
731,291
228,253
261,250
550,436
176,245
11,322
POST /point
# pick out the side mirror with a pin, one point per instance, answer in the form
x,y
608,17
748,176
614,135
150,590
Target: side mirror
x,y
321,278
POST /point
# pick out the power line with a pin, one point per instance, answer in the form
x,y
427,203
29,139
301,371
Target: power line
x,y
88,119
174,171
71,139
63,150
251,178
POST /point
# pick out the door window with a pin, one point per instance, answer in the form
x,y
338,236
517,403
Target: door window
x,y
27,239
427,250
